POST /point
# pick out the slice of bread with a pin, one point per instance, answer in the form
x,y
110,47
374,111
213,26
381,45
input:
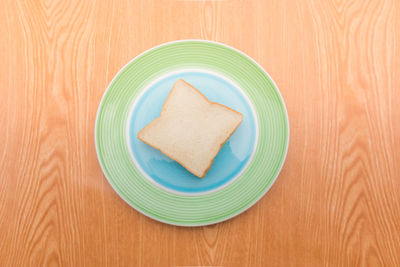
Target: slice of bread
x,y
191,129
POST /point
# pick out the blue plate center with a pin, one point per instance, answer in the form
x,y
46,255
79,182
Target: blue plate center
x,y
233,156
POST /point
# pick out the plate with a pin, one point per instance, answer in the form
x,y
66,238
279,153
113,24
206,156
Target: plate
x,y
243,171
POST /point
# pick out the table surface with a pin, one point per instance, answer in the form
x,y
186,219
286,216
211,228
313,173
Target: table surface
x,y
337,199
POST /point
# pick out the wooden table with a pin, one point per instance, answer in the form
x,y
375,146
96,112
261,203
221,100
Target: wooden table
x,y
337,200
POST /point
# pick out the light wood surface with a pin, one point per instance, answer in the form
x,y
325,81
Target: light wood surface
x,y
337,200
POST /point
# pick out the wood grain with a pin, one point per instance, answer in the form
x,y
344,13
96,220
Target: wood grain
x,y
337,200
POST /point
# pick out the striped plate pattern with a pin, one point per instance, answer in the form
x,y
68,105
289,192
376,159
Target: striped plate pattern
x,y
186,210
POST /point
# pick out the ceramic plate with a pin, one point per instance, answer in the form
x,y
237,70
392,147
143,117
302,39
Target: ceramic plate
x,y
159,187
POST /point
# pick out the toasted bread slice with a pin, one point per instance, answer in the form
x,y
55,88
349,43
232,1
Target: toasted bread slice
x,y
191,129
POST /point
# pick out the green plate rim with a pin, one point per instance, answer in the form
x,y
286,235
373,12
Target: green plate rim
x,y
205,221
